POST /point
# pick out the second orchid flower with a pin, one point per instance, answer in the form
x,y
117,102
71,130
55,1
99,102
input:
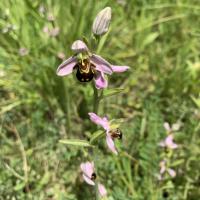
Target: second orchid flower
x,y
111,134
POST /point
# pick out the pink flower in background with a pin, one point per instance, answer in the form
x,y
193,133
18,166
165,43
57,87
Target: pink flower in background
x,y
50,17
23,51
42,9
88,172
110,133
102,190
88,66
51,32
61,55
164,168
168,142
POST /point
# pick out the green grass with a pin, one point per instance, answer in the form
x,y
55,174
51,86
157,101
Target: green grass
x,y
159,40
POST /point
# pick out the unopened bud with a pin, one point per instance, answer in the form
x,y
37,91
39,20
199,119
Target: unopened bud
x,y
102,21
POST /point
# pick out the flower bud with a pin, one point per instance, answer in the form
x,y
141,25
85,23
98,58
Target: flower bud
x,y
79,46
102,21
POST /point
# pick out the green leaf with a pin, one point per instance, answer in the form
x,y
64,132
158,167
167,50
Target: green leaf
x,y
112,92
76,142
150,38
95,136
177,162
196,101
19,186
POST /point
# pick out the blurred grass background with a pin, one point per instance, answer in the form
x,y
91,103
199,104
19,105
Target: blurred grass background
x,y
159,40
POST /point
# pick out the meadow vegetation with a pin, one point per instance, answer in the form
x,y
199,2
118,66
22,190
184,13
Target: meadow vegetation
x,y
159,40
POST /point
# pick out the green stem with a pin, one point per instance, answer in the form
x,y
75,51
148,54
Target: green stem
x,y
68,111
94,154
95,100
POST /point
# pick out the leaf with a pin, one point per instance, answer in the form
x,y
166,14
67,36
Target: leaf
x,y
9,107
76,142
111,92
150,38
96,135
177,162
19,186
196,101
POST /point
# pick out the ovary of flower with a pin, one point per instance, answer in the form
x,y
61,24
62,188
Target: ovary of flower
x,y
103,122
88,66
168,142
88,172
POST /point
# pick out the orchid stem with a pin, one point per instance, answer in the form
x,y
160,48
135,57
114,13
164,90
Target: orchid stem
x,y
95,109
96,100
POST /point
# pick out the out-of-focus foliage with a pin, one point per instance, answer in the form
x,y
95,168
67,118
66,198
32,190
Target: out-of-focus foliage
x,y
159,40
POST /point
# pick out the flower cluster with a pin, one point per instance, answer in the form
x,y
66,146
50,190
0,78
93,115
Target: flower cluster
x,y
169,144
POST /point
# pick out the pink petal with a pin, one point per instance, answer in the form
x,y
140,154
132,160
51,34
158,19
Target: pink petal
x,y
173,146
66,67
162,144
111,144
162,166
87,168
171,172
102,190
100,81
119,69
99,121
101,64
162,169
167,126
169,142
88,180
79,46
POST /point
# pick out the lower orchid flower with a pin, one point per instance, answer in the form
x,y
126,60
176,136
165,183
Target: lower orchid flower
x,y
164,168
88,172
88,66
111,134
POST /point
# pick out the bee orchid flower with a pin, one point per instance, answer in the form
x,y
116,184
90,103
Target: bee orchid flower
x,y
88,172
168,142
88,66
111,134
164,168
